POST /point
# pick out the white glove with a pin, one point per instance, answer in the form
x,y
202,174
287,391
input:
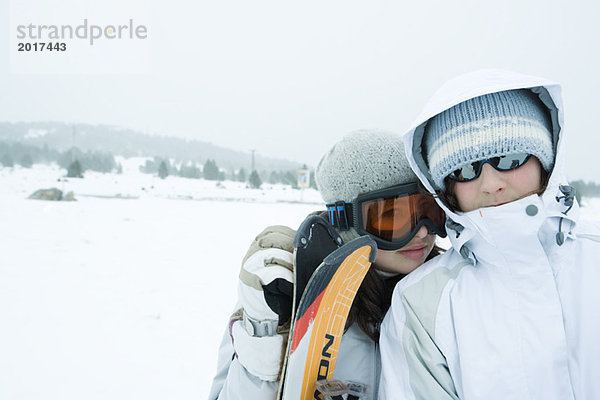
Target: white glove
x,y
265,291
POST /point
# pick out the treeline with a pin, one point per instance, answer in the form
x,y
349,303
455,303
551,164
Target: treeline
x,y
76,162
18,154
90,161
585,189
129,143
12,154
211,171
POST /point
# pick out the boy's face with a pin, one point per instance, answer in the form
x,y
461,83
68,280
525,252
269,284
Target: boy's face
x,y
494,188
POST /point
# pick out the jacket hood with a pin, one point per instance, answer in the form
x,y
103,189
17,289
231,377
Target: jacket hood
x,y
478,83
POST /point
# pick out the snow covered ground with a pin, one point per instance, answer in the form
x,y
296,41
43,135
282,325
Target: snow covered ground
x,y
123,298
124,294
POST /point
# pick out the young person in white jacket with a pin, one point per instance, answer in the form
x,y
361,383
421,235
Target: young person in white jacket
x,y
398,216
512,311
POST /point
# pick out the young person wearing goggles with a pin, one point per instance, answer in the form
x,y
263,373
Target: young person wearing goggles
x,y
391,216
511,311
366,177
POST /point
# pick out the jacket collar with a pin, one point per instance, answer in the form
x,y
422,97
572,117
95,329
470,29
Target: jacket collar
x,y
492,232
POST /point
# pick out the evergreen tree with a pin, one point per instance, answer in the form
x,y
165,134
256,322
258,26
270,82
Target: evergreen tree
x,y
190,171
7,160
211,170
241,175
75,170
101,162
254,180
67,158
291,178
163,170
274,177
26,161
150,167
90,160
585,189
313,181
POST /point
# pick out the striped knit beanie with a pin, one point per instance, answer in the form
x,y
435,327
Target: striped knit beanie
x,y
495,124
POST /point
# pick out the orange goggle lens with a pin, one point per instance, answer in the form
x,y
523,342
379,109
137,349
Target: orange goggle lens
x,y
393,218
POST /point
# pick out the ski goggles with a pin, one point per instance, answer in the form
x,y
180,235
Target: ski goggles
x,y
391,216
471,171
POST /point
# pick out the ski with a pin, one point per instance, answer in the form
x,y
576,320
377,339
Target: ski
x,y
320,318
315,239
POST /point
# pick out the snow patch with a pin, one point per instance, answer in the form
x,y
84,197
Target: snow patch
x,y
114,297
36,133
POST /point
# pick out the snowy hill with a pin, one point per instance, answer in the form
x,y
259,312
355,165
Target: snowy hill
x,y
130,143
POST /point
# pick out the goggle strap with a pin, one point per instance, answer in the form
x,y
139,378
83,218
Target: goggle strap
x,y
340,215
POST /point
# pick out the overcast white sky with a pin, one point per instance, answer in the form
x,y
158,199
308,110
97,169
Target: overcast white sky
x,y
291,78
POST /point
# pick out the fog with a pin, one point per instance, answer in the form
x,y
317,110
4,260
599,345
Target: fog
x,y
291,79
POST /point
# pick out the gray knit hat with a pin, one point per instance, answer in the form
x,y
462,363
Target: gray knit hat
x,y
363,161
512,121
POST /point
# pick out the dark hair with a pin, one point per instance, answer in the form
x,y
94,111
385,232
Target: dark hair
x,y
374,296
373,299
448,196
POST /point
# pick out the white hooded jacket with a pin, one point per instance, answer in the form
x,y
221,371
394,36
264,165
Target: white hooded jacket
x,y
508,312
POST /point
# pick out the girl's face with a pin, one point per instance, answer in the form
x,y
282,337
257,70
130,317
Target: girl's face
x,y
494,188
409,257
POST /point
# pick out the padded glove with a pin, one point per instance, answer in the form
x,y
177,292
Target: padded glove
x,y
265,289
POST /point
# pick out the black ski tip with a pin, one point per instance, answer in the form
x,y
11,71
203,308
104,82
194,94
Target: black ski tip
x,y
303,233
340,254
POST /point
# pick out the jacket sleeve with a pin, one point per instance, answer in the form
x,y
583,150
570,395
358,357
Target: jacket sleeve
x,y
413,366
233,381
